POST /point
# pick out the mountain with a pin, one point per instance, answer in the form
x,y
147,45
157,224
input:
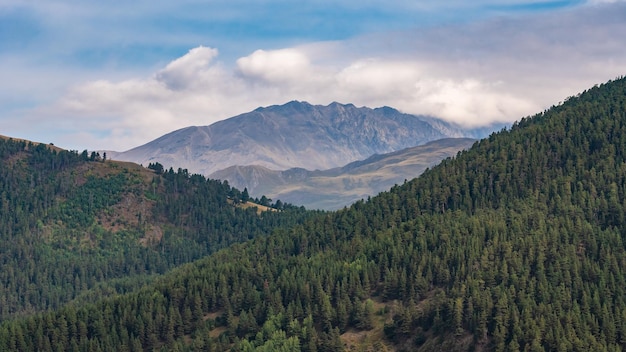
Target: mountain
x,y
338,187
516,244
293,135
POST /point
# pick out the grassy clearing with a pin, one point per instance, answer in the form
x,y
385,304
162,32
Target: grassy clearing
x,y
260,208
370,340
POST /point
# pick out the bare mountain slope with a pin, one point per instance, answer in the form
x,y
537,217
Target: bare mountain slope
x,y
296,134
335,188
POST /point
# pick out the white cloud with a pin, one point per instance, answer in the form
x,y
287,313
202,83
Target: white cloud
x,y
194,90
189,70
275,66
416,87
498,70
374,78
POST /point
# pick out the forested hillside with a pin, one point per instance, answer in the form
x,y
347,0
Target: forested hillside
x,y
514,245
76,226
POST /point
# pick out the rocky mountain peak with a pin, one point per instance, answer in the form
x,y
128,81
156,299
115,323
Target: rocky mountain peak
x,y
295,134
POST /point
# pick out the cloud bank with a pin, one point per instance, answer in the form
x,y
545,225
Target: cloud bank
x,y
495,70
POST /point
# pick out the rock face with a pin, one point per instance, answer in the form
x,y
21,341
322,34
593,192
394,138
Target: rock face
x,y
294,135
335,188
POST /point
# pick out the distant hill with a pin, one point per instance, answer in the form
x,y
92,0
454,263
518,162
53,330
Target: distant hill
x,y
50,145
294,135
338,187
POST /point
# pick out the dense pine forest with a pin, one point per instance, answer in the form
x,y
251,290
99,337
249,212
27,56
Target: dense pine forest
x,y
514,245
76,226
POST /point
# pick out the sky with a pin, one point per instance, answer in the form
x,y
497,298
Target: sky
x,y
117,74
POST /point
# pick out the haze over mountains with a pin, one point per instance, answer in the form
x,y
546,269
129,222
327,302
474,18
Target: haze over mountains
x,y
296,134
302,136
337,187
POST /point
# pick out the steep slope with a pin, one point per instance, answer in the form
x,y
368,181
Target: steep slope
x,y
339,187
516,244
294,135
73,225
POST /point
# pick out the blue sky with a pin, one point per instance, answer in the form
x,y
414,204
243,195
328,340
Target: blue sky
x,y
114,75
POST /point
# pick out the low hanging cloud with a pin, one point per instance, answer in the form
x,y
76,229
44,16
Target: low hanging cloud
x,y
196,90
188,71
276,66
500,70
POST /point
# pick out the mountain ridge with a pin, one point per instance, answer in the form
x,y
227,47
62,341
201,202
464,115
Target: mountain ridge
x,y
295,134
338,187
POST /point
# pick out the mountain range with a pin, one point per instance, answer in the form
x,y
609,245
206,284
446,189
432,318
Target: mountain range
x,y
299,136
294,135
338,187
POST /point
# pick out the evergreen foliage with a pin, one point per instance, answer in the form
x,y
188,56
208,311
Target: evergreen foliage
x,y
72,228
515,245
